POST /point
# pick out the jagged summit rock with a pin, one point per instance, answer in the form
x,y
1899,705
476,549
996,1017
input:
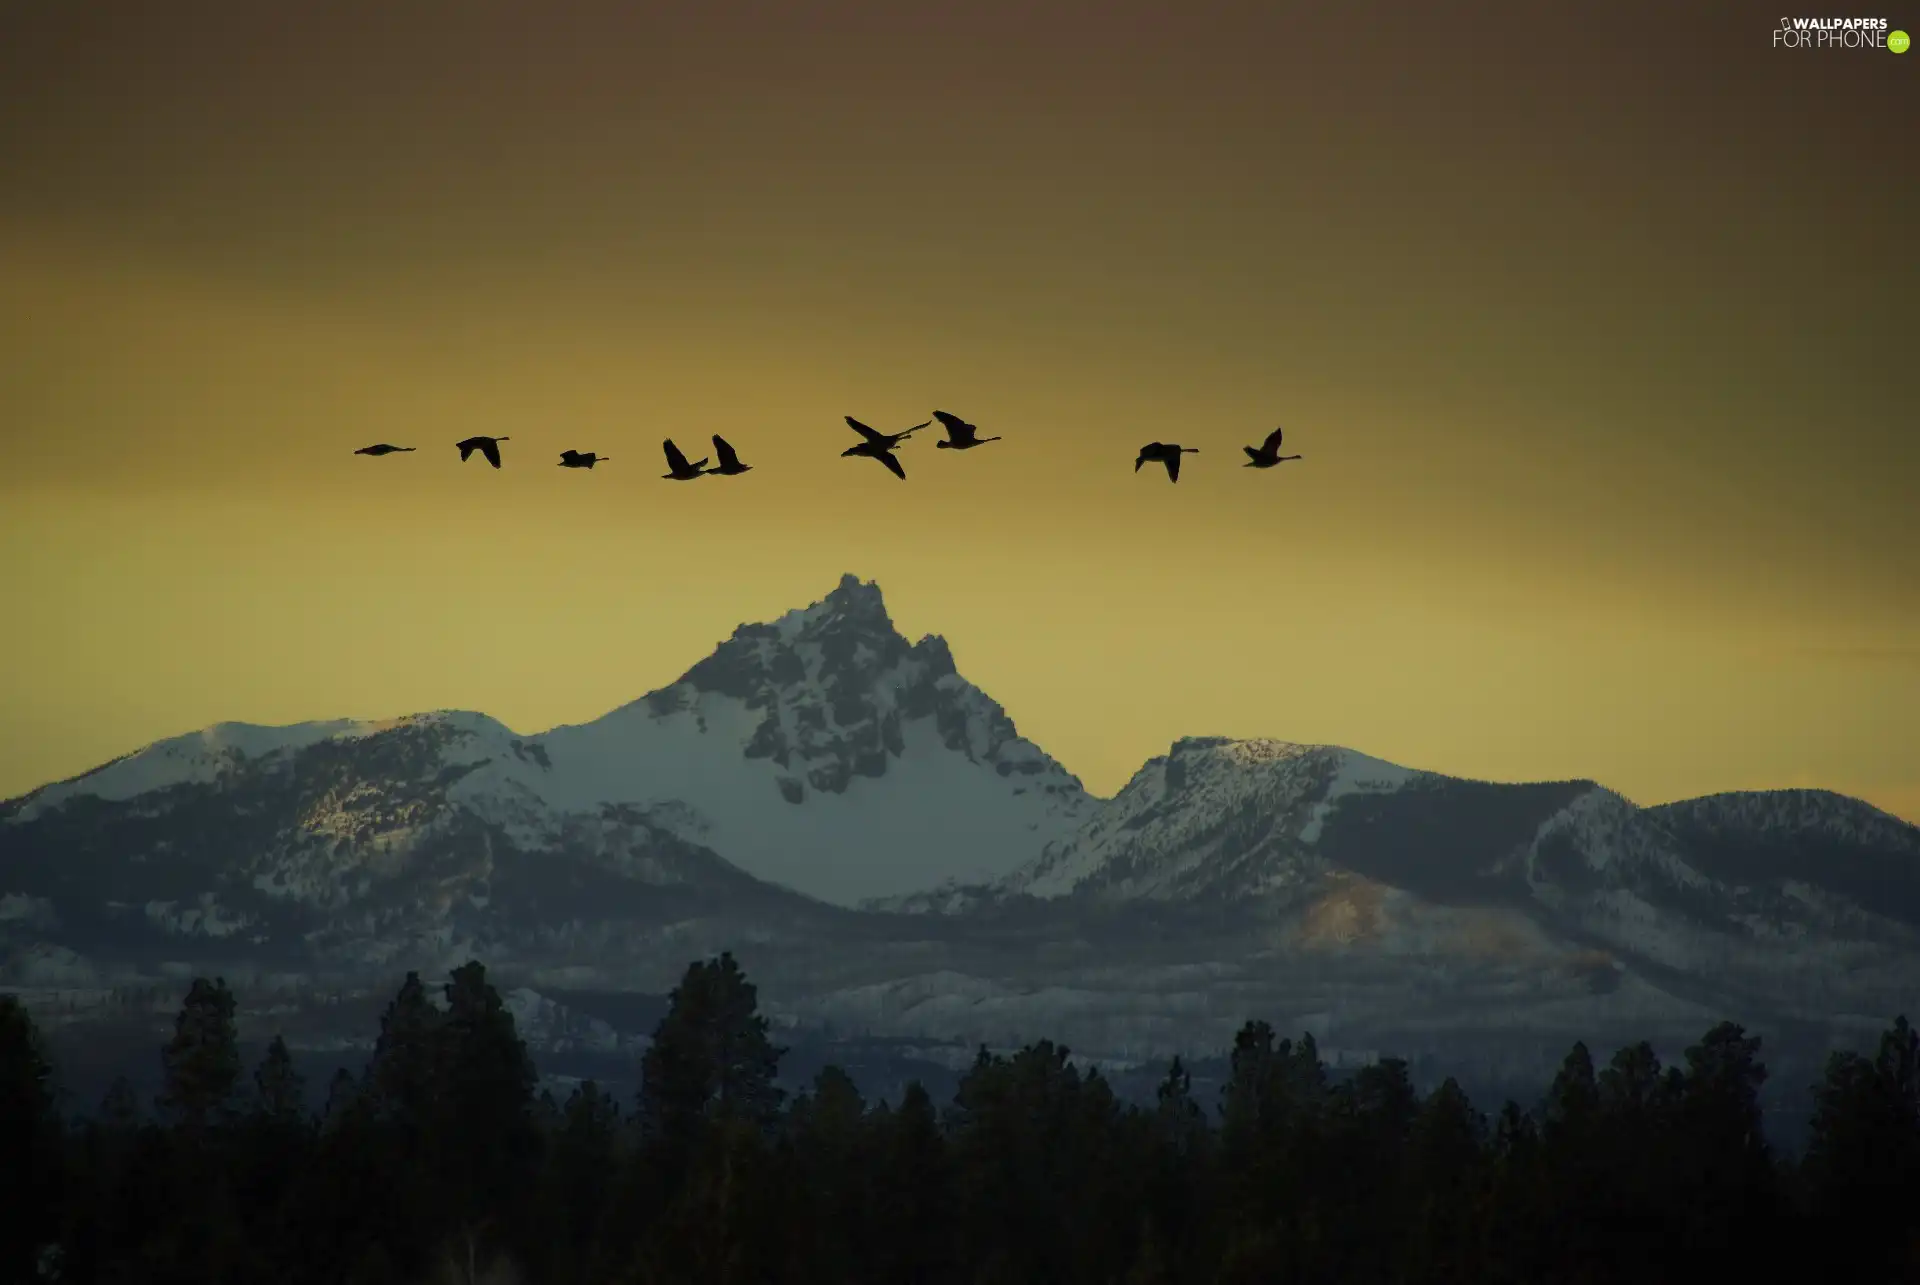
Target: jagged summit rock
x,y
848,636
831,697
837,688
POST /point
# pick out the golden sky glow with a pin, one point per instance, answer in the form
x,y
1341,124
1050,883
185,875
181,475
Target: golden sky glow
x,y
1596,328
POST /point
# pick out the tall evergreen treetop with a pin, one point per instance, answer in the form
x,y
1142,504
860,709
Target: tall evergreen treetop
x,y
279,1090
710,1054
403,1079
201,1063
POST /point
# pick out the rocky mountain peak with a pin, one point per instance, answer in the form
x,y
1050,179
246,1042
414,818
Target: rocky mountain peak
x,y
849,630
835,688
856,599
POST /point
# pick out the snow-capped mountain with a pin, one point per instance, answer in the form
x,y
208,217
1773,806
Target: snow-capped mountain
x,y
1313,836
822,761
819,754
338,846
1240,820
822,752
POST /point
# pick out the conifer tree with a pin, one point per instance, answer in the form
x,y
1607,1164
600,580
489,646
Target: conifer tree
x,y
31,1173
913,1233
1863,1156
710,1055
403,1079
202,1061
279,1090
484,1132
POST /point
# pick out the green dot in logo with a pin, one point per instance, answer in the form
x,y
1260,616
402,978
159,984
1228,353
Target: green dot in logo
x,y
1897,41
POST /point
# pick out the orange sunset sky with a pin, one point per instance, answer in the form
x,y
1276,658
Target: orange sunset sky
x,y
1596,325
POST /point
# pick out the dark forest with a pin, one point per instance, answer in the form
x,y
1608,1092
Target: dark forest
x,y
443,1161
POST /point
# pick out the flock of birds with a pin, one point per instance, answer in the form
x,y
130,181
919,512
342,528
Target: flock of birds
x,y
873,445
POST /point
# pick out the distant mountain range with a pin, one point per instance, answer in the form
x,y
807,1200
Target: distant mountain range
x,y
839,804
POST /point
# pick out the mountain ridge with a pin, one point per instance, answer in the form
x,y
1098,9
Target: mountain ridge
x,y
956,869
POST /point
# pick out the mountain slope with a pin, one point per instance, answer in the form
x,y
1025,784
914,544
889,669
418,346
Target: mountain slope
x,y
337,850
1231,820
1814,846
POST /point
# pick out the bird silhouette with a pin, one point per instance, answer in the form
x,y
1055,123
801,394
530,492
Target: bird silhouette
x,y
1267,454
961,435
581,459
730,465
1167,453
381,448
879,451
678,469
487,446
886,441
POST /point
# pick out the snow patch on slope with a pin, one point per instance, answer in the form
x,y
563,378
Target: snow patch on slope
x,y
1357,774
203,917
933,815
1617,842
199,757
1211,816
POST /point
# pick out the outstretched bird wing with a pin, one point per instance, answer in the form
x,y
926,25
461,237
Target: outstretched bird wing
x,y
863,430
1272,443
466,448
892,461
491,449
675,460
728,459
958,430
569,456
1173,467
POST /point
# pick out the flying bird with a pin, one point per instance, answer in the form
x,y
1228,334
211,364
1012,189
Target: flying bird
x,y
879,450
381,448
581,459
730,465
678,470
886,441
1267,454
961,435
487,446
1167,453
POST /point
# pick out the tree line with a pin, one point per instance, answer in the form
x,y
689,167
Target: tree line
x,y
442,1160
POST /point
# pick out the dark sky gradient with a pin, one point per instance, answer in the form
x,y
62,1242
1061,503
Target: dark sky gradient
x,y
1596,325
